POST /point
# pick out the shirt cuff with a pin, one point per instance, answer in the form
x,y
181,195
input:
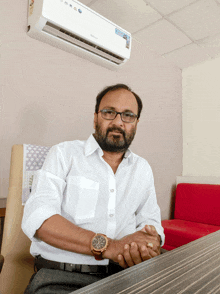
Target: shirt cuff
x,y
36,219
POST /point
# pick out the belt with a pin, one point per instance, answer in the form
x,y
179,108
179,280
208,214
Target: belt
x,y
40,262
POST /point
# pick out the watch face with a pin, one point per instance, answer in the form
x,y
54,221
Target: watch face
x,y
99,242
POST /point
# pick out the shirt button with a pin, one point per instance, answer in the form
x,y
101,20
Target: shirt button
x,y
112,190
111,215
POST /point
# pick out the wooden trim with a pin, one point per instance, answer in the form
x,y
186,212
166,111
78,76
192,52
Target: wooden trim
x,y
2,212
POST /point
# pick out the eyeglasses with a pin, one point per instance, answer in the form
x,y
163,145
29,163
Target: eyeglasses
x,y
109,114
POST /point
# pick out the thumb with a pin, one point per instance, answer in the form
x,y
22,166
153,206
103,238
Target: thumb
x,y
149,229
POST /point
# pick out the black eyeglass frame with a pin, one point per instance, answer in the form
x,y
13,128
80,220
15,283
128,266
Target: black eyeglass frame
x,y
116,113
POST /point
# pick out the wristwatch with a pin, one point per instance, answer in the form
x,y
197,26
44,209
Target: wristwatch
x,y
99,244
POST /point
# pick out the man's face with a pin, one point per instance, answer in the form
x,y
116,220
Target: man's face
x,y
116,135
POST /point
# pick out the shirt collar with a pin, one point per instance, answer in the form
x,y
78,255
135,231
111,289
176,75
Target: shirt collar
x,y
92,145
129,155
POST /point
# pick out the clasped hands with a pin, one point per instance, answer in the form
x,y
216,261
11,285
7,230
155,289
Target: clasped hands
x,y
137,247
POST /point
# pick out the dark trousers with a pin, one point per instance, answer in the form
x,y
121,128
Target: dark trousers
x,y
55,281
50,281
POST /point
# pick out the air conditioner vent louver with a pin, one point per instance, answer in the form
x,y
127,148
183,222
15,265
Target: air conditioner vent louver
x,y
81,42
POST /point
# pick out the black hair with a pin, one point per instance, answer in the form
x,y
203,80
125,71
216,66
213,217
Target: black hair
x,y
114,88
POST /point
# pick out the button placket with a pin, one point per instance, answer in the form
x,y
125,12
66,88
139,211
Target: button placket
x,y
111,223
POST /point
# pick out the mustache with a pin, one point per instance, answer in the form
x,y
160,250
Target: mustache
x,y
112,129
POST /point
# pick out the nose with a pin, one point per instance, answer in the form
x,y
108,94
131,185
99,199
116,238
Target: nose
x,y
118,120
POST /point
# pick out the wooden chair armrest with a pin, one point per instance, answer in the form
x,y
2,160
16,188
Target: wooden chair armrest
x,y
1,261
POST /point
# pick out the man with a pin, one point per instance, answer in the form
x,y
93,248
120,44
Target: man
x,y
93,208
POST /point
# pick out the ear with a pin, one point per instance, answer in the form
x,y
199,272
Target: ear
x,y
95,120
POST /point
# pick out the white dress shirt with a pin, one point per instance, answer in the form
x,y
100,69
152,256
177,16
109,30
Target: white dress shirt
x,y
77,183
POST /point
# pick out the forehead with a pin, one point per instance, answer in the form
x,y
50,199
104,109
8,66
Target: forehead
x,y
120,100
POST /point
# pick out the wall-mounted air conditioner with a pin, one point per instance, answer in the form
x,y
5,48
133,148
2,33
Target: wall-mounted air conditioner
x,y
73,27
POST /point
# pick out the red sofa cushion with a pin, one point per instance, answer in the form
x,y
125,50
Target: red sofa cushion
x,y
179,232
198,203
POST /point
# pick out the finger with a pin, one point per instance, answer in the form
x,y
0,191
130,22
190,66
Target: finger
x,y
121,261
146,228
127,255
155,234
151,232
153,229
150,245
153,253
157,250
145,255
135,254
149,229
153,247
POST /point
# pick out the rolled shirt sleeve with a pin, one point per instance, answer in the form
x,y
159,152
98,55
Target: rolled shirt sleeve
x,y
46,196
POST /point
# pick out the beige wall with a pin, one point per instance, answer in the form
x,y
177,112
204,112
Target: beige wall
x,y
48,96
201,119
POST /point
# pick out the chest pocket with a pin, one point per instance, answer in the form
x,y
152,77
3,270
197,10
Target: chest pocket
x,y
85,197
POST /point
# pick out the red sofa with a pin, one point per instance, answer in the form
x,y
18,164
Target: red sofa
x,y
197,213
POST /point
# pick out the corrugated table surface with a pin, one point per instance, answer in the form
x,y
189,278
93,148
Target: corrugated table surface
x,y
189,269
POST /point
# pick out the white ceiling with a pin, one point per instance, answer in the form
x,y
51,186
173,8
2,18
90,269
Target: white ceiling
x,y
186,32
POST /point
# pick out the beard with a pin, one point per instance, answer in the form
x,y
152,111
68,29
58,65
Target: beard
x,y
114,143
